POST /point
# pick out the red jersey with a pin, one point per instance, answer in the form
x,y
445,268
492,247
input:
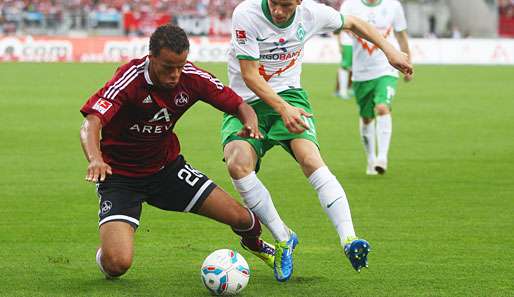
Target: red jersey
x,y
138,118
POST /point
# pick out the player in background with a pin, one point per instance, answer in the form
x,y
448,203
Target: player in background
x,y
374,79
344,72
264,67
138,157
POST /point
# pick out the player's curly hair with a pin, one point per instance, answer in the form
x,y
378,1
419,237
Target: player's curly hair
x,y
169,36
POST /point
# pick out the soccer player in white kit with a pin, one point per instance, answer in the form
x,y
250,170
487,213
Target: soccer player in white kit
x,y
344,72
265,59
374,79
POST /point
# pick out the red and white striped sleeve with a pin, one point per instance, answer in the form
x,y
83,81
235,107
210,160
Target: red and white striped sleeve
x,y
107,101
211,90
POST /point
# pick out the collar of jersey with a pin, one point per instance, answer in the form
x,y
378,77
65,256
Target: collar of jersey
x,y
267,13
365,2
147,73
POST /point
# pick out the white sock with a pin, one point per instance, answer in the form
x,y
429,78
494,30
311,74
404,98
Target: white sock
x,y
343,76
368,135
384,131
333,201
258,199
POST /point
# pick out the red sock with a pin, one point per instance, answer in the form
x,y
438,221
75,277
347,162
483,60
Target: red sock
x,y
250,237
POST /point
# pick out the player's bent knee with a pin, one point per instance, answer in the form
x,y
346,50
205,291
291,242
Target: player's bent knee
x,y
239,159
239,166
382,109
238,170
367,121
116,264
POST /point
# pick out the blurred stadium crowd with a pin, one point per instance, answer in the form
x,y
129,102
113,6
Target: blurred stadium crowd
x,y
506,9
113,17
506,18
197,17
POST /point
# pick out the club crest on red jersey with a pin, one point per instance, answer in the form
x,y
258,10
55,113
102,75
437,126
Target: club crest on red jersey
x,y
181,99
102,106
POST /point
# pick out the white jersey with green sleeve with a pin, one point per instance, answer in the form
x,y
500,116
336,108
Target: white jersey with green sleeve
x,y
387,16
278,48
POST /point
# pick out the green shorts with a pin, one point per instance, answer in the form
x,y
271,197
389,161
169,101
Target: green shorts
x,y
346,57
271,125
373,92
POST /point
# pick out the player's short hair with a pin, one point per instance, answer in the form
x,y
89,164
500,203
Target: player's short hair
x,y
169,36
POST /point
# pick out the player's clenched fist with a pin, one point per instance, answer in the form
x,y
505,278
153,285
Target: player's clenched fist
x,y
97,171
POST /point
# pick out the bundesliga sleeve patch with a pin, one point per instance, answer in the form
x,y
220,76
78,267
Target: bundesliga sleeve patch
x,y
102,106
241,36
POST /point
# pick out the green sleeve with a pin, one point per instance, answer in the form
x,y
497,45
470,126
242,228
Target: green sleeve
x,y
347,56
243,57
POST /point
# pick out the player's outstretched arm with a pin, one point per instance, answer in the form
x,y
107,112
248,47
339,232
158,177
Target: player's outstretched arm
x,y
403,41
396,58
247,116
90,141
291,115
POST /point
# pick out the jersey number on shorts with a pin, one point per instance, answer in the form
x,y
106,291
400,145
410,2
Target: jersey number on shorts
x,y
189,175
390,93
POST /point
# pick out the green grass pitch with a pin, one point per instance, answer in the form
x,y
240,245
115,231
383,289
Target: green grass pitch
x,y
441,222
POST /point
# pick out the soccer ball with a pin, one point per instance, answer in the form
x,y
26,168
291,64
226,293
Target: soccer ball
x,y
225,272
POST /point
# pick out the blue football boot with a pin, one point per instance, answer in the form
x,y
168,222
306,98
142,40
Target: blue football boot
x,y
283,266
357,251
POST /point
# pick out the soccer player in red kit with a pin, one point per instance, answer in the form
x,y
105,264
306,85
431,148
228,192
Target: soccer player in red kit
x,y
138,157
